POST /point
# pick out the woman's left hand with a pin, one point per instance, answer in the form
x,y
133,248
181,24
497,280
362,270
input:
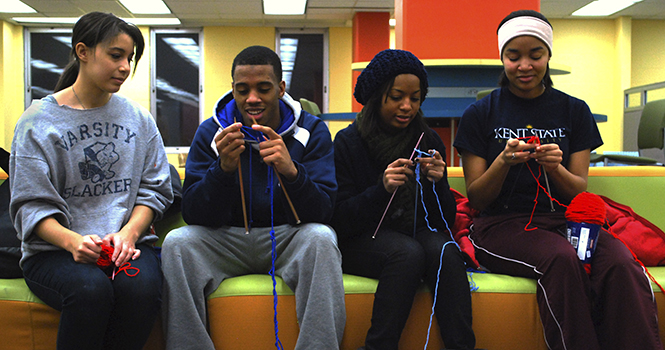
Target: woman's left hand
x,y
548,155
124,248
432,167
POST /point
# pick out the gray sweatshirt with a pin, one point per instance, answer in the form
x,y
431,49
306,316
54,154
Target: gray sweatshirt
x,y
86,168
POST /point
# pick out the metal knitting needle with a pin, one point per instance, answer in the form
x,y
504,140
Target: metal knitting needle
x,y
547,183
242,194
395,191
279,178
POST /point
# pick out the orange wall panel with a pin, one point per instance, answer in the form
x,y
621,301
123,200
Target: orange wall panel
x,y
439,29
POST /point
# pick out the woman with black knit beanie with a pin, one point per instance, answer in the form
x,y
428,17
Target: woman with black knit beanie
x,y
387,215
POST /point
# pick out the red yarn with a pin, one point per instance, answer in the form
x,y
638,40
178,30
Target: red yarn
x,y
535,200
104,259
104,262
126,267
588,208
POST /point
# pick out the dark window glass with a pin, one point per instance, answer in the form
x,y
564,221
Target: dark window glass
x,y
49,54
177,62
302,61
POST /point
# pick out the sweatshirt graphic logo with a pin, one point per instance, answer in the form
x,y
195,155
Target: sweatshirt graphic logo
x,y
99,158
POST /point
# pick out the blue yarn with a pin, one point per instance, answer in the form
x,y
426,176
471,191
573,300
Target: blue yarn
x,y
452,241
472,283
273,240
436,290
256,136
270,188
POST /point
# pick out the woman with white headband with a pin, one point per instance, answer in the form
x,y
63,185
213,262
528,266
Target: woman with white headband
x,y
527,142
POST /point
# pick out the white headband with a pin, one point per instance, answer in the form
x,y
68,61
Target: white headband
x,y
525,25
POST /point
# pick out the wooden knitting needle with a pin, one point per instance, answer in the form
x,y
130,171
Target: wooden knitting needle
x,y
279,178
395,191
242,194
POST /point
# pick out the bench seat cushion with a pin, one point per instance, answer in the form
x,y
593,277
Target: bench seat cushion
x,y
505,314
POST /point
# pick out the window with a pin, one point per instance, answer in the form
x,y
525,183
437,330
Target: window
x,y
47,54
304,55
177,85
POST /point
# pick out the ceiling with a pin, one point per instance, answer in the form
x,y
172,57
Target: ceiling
x,y
320,13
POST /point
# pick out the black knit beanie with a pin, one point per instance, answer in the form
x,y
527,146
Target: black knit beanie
x,y
386,65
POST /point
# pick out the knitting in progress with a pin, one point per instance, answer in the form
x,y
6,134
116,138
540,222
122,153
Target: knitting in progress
x,y
105,263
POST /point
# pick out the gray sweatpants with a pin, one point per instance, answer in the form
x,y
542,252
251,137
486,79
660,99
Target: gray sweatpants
x,y
196,259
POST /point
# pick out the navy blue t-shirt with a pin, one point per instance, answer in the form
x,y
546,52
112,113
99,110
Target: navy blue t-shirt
x,y
554,117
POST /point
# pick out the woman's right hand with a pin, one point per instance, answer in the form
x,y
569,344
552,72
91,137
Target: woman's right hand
x,y
87,249
397,173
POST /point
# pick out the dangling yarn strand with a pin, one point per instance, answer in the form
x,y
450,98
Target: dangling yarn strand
x,y
273,254
452,239
535,200
536,140
436,290
273,239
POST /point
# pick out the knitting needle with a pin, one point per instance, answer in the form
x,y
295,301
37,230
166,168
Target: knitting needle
x,y
279,178
547,183
242,195
395,191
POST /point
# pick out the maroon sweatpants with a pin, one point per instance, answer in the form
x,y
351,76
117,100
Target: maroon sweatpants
x,y
612,308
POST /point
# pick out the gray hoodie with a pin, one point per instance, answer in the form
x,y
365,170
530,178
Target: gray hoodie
x,y
86,168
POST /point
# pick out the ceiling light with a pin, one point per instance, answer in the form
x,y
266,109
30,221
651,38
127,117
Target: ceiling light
x,y
46,20
166,21
604,7
284,7
72,20
392,22
154,7
15,6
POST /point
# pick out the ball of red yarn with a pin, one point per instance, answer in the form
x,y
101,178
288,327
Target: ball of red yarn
x,y
104,259
588,208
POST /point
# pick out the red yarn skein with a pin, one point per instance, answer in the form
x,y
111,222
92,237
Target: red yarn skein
x,y
104,259
588,208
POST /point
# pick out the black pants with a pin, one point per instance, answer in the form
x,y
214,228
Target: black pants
x,y
400,262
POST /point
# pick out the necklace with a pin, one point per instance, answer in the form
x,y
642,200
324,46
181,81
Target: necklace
x,y
77,97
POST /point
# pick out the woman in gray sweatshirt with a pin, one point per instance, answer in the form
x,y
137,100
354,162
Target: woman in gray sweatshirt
x,y
89,171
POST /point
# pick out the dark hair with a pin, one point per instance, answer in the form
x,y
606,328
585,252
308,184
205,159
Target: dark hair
x,y
95,28
258,55
371,120
503,79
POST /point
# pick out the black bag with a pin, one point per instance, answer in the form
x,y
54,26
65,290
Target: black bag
x,y
10,245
